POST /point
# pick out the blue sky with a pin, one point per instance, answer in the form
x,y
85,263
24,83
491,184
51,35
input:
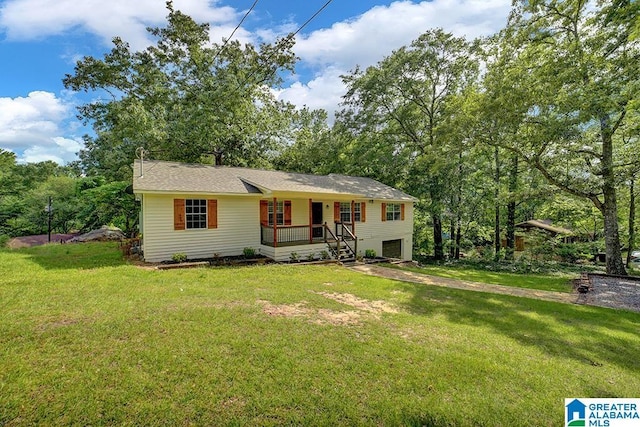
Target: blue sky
x,y
40,40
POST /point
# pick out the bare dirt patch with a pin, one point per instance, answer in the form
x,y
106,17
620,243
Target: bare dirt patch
x,y
59,323
320,316
286,310
374,307
363,309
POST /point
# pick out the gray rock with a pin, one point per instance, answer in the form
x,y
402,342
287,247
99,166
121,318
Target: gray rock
x,y
103,234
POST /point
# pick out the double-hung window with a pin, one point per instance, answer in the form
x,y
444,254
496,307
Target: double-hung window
x,y
196,213
345,212
357,212
394,212
278,215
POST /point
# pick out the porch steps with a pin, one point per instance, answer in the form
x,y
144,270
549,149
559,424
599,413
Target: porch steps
x,y
342,253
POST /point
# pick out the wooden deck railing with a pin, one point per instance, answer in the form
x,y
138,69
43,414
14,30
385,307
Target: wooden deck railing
x,y
291,235
298,235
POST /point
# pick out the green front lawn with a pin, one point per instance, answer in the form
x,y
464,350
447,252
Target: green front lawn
x,y
558,282
87,339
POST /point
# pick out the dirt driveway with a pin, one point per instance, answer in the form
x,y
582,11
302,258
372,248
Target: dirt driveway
x,y
606,291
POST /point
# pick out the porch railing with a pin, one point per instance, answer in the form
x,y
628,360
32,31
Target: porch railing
x,y
291,235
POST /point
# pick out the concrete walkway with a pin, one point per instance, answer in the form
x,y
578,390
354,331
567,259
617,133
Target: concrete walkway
x,y
411,277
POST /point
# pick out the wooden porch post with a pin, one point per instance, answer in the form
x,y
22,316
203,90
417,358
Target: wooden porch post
x,y
275,222
353,217
310,221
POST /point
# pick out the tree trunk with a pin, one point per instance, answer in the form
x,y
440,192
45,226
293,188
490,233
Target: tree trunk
x,y
458,238
632,220
438,247
452,237
457,205
496,238
511,209
609,207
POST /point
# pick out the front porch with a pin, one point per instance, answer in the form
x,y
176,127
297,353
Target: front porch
x,y
309,239
292,235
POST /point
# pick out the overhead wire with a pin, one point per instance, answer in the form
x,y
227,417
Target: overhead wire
x,y
235,29
311,19
288,38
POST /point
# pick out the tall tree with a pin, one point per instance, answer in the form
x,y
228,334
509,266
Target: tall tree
x,y
399,110
576,71
183,98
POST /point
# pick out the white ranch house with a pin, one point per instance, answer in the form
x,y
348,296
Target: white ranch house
x,y
207,211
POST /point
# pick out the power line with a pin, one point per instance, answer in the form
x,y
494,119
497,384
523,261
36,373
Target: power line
x,y
235,29
311,19
288,38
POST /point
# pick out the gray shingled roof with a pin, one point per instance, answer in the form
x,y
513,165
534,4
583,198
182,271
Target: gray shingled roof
x,y
160,176
544,225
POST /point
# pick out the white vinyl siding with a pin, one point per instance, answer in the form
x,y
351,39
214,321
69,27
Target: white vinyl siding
x,y
374,231
238,227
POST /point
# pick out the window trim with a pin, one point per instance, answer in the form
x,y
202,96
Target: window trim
x,y
206,208
357,212
393,212
198,219
279,213
345,209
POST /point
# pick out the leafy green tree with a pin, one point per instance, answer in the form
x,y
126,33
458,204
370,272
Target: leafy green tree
x,y
183,99
572,73
315,148
399,112
109,204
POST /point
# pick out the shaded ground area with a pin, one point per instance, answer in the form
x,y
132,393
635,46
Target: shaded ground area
x,y
605,291
40,239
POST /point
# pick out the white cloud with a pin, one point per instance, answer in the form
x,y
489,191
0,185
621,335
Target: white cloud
x,y
32,125
60,150
33,19
368,38
324,91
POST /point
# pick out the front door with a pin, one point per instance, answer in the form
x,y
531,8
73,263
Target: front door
x,y
316,218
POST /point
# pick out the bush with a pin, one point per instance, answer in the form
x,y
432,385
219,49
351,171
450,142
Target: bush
x,y
294,257
567,252
324,255
249,252
4,239
369,253
179,257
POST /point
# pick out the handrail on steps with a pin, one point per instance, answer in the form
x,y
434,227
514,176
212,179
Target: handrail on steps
x,y
353,237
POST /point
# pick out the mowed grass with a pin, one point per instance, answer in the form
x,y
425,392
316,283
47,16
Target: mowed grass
x,y
86,339
559,282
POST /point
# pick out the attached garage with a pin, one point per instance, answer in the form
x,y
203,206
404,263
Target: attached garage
x,y
392,248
